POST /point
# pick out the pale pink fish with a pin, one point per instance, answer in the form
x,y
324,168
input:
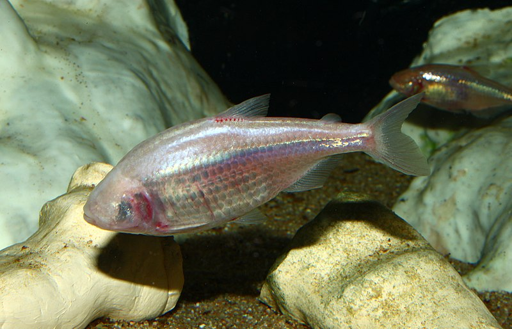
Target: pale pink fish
x,y
204,173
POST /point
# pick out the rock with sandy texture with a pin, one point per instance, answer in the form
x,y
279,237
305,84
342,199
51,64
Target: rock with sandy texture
x,y
84,81
70,272
465,207
357,265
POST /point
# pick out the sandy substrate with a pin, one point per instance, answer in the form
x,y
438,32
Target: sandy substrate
x,y
224,268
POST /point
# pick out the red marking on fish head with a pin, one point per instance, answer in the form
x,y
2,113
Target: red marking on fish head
x,y
142,207
121,203
134,213
161,227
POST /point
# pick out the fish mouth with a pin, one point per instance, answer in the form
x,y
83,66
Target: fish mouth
x,y
88,218
133,226
94,220
113,228
91,220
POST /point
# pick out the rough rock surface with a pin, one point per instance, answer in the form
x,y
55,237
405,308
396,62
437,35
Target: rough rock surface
x,y
70,272
86,81
465,207
358,265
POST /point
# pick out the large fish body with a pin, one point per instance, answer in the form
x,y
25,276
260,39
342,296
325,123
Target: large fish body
x,y
452,88
201,174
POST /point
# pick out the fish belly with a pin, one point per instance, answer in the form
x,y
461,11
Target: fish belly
x,y
217,192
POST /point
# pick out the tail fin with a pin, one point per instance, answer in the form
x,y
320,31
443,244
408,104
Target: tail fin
x,y
394,148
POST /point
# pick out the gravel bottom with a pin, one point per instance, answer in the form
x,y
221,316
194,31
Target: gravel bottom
x,y
224,268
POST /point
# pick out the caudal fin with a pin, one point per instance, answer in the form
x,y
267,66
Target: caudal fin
x,y
394,148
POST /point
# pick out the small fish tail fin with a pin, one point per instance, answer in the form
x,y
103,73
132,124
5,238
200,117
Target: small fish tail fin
x,y
393,147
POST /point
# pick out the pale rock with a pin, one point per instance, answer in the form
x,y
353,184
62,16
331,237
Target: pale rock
x,y
357,265
465,207
70,272
85,81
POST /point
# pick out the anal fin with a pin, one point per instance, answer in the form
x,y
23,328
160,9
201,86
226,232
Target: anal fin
x,y
316,176
254,216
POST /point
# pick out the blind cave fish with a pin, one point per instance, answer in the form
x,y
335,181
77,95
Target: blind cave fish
x,y
204,173
452,88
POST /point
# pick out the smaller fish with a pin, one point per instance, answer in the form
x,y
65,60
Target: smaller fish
x,y
207,172
452,88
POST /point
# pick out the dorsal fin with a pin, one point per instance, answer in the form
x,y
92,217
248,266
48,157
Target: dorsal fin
x,y
331,117
316,176
472,71
253,107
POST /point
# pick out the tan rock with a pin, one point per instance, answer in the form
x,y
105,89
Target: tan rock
x,y
70,272
357,265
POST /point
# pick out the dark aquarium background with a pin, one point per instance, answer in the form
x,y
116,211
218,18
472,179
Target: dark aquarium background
x,y
315,57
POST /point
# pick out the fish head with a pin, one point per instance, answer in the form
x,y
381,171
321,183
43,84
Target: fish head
x,y
119,203
407,82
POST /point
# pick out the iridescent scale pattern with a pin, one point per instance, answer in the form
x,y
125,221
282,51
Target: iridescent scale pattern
x,y
218,170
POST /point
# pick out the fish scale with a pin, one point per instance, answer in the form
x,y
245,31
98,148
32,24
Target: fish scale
x,y
228,188
205,173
